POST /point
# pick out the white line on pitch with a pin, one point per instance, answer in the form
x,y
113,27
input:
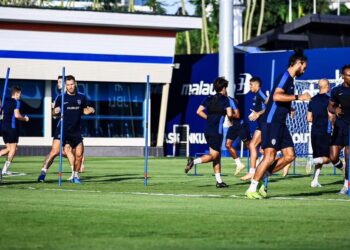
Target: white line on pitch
x,y
190,195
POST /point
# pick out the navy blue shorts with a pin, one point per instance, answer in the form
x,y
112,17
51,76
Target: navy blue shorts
x,y
258,125
241,131
72,140
214,141
10,135
320,145
275,135
340,135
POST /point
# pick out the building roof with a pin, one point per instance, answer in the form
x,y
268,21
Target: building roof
x,y
90,18
312,31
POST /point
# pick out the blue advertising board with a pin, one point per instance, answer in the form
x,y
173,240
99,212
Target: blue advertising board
x,y
192,82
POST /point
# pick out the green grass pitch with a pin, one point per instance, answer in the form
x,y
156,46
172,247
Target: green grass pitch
x,y
113,210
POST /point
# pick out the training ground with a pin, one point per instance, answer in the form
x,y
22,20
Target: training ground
x,y
113,210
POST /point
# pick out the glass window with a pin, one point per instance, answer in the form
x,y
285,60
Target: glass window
x,y
118,106
32,104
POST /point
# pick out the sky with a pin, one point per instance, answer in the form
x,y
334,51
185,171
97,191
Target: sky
x,y
173,5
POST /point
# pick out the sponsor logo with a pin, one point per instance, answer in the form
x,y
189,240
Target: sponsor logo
x,y
242,86
194,138
301,138
273,141
200,88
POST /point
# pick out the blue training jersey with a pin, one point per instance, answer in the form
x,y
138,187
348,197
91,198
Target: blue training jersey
x,y
318,107
215,107
340,95
276,112
9,120
73,109
259,102
234,106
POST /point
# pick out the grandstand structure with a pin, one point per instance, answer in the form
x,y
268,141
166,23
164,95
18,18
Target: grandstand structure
x,y
110,54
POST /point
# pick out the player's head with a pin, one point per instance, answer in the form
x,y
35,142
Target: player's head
x,y
16,92
255,84
323,85
346,73
70,84
59,82
298,62
220,85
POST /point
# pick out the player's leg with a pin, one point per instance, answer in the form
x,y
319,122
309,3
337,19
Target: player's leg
x,y
55,150
216,155
344,142
288,156
12,148
214,142
231,136
71,158
254,143
79,152
320,146
82,165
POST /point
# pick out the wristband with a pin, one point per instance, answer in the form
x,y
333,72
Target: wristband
x,y
296,97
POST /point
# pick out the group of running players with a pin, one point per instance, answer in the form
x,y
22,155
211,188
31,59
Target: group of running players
x,y
75,105
272,134
270,114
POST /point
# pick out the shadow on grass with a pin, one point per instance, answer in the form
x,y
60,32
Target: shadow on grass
x,y
309,194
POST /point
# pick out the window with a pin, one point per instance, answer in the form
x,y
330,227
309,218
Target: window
x,y
118,106
32,104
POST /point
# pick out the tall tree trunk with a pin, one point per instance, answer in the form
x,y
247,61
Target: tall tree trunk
x,y
205,28
187,33
131,6
261,18
246,18
251,20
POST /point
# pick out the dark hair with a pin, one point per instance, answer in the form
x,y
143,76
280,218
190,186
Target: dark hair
x,y
59,77
220,83
256,79
346,66
15,89
70,77
297,56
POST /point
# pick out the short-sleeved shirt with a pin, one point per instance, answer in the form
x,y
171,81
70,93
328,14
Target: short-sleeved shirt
x,y
318,107
9,120
259,102
73,109
276,112
340,95
215,106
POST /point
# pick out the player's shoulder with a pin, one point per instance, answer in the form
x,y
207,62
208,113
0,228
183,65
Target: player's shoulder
x,y
80,94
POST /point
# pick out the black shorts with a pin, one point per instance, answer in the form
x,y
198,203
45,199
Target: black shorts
x,y
320,145
258,125
340,135
241,131
275,135
10,135
72,140
214,141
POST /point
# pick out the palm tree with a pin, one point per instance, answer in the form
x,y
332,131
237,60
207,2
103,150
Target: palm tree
x,y
187,33
131,6
205,38
245,28
249,33
261,18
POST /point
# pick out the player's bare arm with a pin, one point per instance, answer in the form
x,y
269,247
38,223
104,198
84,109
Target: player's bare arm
x,y
334,109
280,96
201,113
20,117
